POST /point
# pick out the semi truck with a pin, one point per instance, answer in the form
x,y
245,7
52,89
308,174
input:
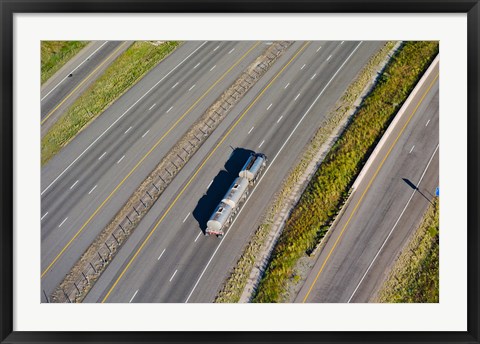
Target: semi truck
x,y
237,193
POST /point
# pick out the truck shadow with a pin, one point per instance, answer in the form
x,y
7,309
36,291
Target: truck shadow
x,y
220,184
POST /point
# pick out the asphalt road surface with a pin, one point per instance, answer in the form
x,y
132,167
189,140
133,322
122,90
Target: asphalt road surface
x,y
167,258
85,185
385,209
65,86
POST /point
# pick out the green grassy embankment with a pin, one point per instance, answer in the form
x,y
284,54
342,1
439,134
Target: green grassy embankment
x,y
54,54
330,185
414,278
122,74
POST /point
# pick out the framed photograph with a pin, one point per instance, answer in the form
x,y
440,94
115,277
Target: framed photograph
x,y
239,171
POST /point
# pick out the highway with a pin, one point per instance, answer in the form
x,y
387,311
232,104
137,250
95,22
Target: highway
x,y
60,91
385,209
92,177
167,258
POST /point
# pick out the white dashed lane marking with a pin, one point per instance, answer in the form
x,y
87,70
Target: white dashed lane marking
x,y
133,297
92,189
102,155
71,187
63,222
171,278
120,159
161,254
44,216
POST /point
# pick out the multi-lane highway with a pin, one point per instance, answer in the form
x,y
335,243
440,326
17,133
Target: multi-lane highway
x,y
92,177
63,88
167,258
385,208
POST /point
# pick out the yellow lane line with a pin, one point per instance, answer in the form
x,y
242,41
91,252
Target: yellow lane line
x,y
83,81
143,158
200,168
368,187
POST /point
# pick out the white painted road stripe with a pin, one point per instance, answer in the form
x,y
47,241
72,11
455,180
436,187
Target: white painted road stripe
x,y
394,226
185,219
303,67
175,85
102,155
261,144
280,118
114,122
71,187
120,159
328,58
73,70
161,254
145,133
198,64
44,216
197,236
231,51
216,48
173,275
212,68
63,222
319,49
298,95
92,189
210,183
191,88
268,108
287,85
151,107
411,149
267,169
313,76
128,130
171,107
427,122
250,130
342,42
133,297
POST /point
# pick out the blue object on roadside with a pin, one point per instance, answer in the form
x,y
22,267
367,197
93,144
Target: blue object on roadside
x,y
437,191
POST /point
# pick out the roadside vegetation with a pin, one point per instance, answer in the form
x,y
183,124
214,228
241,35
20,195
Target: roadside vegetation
x,y
414,277
122,74
329,187
54,55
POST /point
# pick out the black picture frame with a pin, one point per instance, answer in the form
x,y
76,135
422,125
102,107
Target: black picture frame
x,y
9,8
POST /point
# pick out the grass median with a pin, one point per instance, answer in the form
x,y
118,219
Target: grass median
x,y
329,187
415,276
54,55
122,74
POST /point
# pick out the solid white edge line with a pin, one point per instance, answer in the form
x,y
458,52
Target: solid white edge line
x,y
268,167
45,96
71,187
44,216
63,222
92,189
185,219
161,254
171,278
133,297
394,226
111,125
120,159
